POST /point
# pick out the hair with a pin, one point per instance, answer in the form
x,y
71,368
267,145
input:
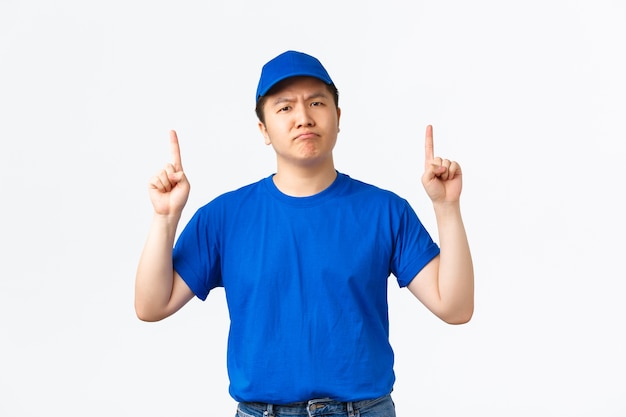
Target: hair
x,y
261,101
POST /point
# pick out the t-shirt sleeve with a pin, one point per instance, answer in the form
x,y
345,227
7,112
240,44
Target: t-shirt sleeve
x,y
414,247
196,256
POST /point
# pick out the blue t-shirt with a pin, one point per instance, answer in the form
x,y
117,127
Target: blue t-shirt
x,y
305,280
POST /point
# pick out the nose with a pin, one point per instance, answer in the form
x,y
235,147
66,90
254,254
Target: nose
x,y
303,116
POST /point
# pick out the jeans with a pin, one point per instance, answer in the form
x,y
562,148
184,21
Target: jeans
x,y
379,407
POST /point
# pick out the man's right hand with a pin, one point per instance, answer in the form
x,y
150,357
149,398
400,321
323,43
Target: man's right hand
x,y
169,189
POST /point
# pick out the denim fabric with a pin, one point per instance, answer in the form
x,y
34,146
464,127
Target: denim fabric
x,y
380,407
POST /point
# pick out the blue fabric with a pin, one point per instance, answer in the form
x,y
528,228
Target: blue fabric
x,y
290,64
306,285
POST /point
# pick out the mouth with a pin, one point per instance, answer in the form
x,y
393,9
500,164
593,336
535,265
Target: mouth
x,y
305,135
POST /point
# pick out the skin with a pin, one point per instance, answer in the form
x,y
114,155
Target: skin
x,y
446,285
159,290
302,124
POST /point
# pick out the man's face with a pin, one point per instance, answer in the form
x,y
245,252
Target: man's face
x,y
301,121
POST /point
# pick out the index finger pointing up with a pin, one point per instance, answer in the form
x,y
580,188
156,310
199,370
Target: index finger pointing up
x,y
178,165
429,147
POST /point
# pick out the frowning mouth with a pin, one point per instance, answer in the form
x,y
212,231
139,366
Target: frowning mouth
x,y
306,135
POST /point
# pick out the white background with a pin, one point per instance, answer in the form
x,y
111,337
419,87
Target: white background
x,y
530,98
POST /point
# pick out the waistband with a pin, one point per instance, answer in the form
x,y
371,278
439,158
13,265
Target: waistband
x,y
315,407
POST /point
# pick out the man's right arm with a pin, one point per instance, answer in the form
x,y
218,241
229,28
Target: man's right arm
x,y
159,290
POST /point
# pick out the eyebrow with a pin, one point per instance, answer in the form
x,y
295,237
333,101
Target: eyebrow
x,y
287,99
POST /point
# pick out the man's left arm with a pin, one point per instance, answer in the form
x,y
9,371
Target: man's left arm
x,y
446,285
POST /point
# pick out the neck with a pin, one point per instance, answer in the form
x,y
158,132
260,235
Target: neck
x,y
304,181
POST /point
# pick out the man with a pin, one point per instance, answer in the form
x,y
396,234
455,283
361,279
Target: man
x,y
304,256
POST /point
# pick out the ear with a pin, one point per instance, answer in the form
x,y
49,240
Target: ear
x,y
338,118
266,135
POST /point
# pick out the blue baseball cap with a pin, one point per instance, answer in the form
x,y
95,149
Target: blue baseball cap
x,y
290,64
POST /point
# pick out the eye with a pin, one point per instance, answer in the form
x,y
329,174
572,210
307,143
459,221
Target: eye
x,y
284,109
317,104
